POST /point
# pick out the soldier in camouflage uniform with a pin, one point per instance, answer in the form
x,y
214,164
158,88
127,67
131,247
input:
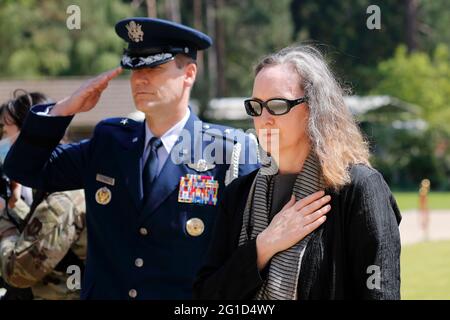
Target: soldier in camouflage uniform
x,y
36,249
31,258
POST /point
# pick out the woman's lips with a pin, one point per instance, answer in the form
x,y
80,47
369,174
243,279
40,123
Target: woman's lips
x,y
269,133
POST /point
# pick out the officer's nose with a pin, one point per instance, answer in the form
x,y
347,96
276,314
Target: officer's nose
x,y
139,77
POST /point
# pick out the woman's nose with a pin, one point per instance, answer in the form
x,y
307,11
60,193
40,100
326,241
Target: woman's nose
x,y
266,117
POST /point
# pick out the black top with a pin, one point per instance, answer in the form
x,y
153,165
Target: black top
x,y
282,192
355,254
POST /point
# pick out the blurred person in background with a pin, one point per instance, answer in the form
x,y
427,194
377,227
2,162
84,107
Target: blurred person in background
x,y
424,211
41,239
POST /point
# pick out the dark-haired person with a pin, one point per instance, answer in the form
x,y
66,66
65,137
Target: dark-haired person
x,y
267,244
39,242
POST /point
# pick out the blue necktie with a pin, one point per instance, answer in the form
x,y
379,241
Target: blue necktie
x,y
151,167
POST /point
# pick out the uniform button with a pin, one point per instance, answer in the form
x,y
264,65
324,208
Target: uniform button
x,y
138,262
143,231
132,293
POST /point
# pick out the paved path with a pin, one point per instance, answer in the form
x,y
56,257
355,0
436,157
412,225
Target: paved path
x,y
439,226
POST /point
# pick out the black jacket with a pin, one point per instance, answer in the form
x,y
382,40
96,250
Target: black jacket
x,y
358,245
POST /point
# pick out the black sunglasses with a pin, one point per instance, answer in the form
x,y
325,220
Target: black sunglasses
x,y
276,106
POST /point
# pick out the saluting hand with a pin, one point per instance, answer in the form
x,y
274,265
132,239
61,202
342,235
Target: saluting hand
x,y
293,223
86,97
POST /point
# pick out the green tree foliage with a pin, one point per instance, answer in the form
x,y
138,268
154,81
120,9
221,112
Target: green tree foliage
x,y
435,21
339,27
36,41
253,29
405,157
420,79
423,80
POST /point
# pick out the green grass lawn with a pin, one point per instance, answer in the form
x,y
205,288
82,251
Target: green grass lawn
x,y
425,271
410,200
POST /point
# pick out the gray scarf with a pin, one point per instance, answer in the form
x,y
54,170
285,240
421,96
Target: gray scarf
x,y
282,279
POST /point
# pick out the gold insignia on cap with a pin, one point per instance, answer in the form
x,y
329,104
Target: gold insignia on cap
x,y
103,196
195,227
135,32
201,165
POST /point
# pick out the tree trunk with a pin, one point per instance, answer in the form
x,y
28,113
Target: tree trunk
x,y
220,44
411,24
173,10
152,11
198,24
212,57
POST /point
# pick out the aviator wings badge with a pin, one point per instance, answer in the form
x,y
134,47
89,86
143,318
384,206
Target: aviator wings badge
x,y
201,165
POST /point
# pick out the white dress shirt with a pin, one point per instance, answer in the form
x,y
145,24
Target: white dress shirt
x,y
168,141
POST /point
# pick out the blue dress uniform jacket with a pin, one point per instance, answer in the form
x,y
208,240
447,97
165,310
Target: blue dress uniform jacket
x,y
135,250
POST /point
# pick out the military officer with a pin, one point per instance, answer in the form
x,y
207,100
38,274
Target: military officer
x,y
152,187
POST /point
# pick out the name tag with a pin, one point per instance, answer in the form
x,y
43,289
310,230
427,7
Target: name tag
x,y
105,179
198,189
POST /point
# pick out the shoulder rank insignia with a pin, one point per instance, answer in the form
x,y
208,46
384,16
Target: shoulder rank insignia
x,y
198,189
135,32
201,166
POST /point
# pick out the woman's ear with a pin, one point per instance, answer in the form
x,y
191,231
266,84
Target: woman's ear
x,y
190,74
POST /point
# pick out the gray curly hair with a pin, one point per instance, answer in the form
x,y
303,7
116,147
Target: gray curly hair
x,y
333,132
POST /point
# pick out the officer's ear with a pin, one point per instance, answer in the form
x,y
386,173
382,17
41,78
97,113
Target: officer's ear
x,y
190,73
189,66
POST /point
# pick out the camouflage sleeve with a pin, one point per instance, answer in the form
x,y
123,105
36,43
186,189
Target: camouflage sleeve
x,y
55,225
7,226
5,242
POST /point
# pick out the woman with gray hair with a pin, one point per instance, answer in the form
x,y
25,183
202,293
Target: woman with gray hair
x,y
272,239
